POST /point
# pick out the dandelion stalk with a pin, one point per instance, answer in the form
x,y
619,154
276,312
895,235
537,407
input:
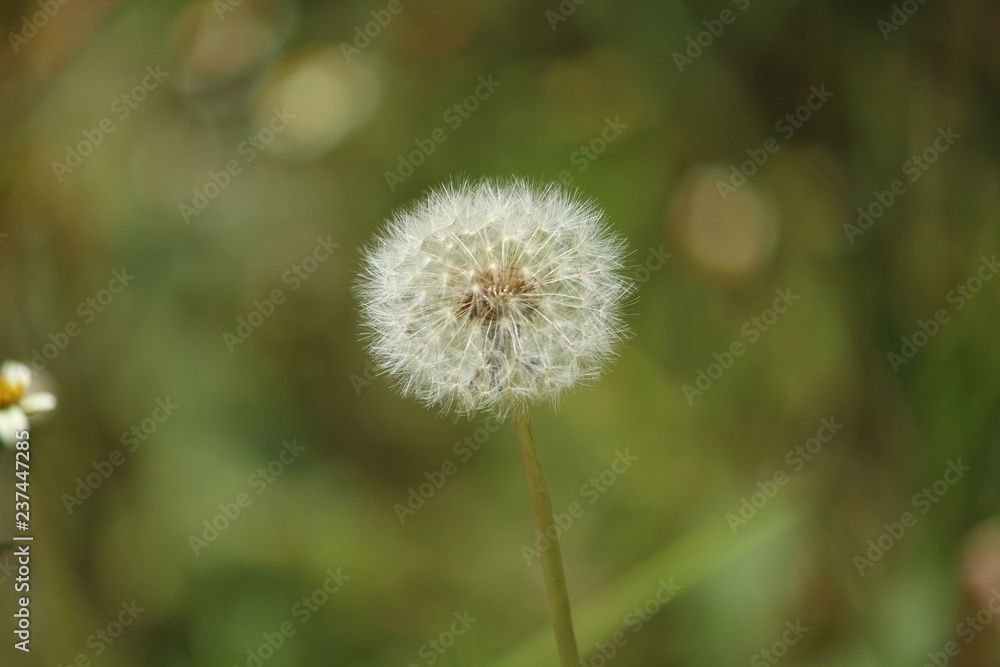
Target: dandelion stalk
x,y
552,567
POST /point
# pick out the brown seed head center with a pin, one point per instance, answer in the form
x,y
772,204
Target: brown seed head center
x,y
495,295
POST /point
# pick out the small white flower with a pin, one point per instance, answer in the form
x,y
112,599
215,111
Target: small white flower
x,y
15,402
487,295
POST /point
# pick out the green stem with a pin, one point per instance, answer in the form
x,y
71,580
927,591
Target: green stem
x,y
552,567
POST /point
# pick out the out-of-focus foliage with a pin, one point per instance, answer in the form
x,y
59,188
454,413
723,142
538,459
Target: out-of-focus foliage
x,y
228,159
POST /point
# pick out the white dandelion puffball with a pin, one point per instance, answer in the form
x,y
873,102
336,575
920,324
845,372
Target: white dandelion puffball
x,y
492,294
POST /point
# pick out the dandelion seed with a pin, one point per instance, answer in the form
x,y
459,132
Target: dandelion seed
x,y
489,295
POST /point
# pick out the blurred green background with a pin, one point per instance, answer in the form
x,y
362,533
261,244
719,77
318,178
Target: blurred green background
x,y
217,151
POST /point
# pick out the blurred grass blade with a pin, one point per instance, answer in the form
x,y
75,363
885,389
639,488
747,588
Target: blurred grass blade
x,y
690,560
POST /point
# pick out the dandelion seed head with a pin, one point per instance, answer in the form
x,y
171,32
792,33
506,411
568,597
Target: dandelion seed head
x,y
485,295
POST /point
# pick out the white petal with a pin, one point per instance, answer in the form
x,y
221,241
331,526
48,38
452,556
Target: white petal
x,y
12,420
40,402
8,372
14,374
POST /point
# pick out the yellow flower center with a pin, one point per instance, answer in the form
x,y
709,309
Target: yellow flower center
x,y
9,394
